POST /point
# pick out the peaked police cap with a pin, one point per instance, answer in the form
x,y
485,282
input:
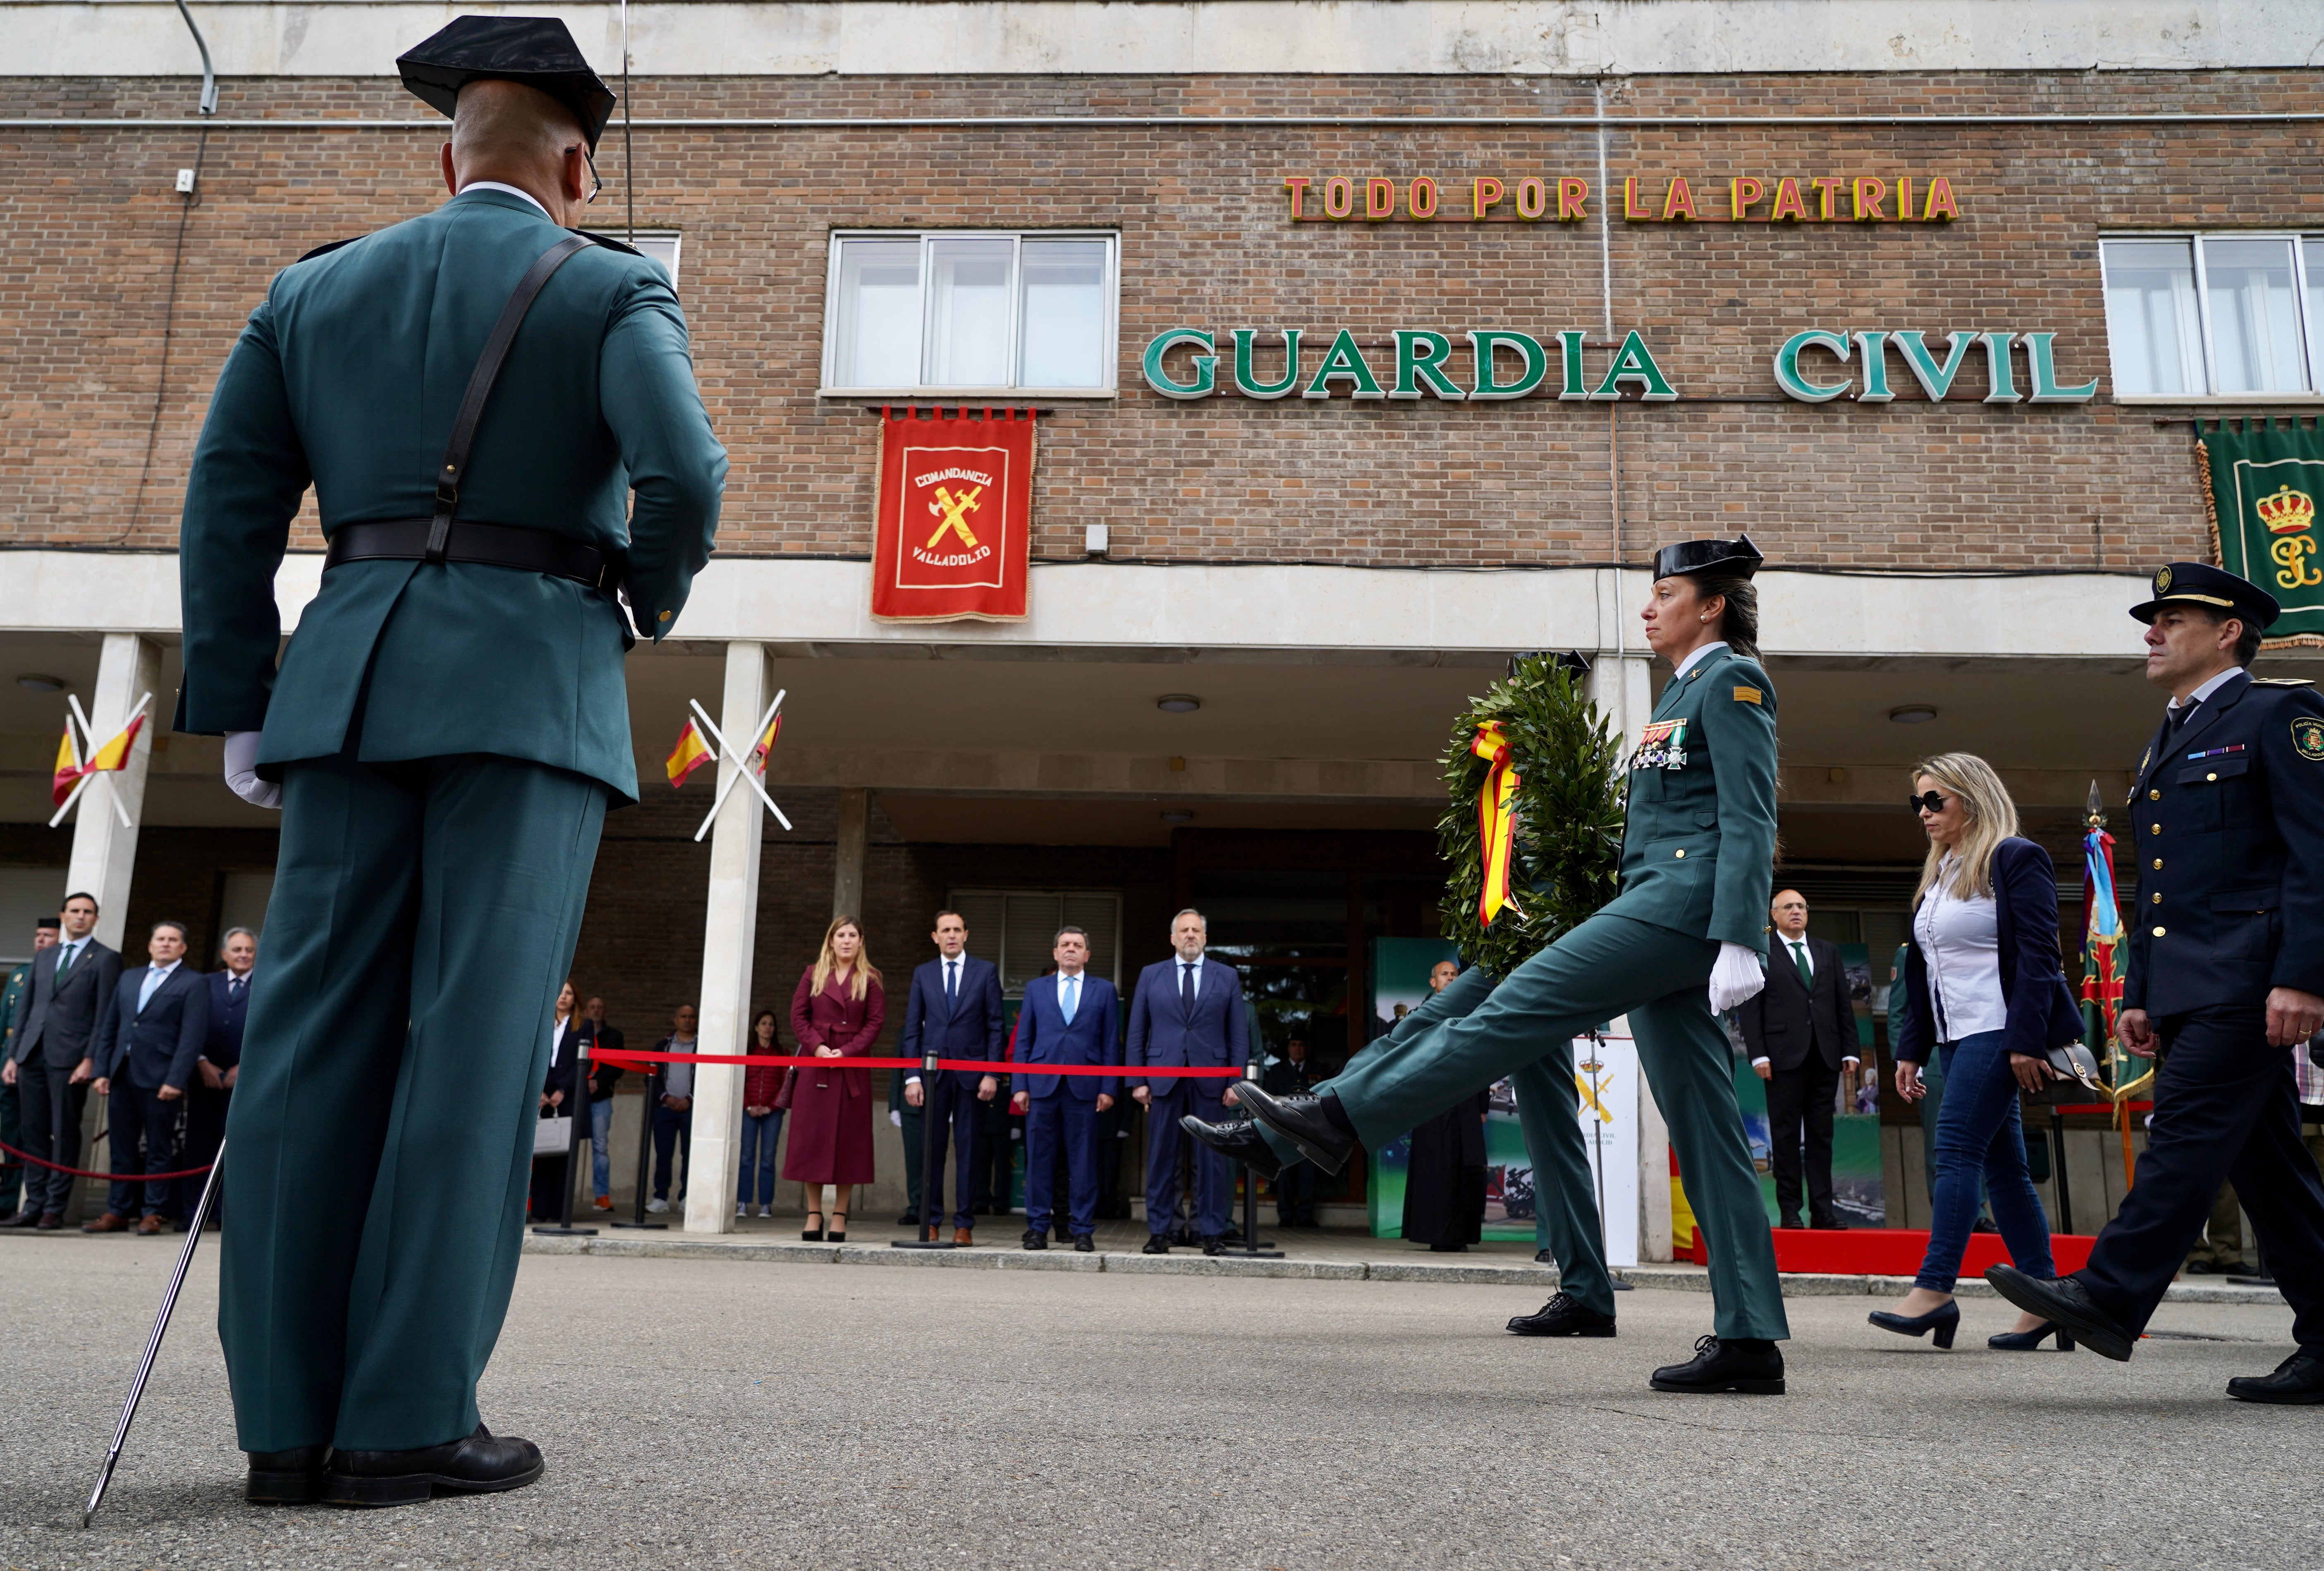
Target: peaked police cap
x,y
2199,583
535,50
1738,556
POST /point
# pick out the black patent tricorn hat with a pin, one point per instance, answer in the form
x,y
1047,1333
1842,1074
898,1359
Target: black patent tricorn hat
x,y
1738,556
537,51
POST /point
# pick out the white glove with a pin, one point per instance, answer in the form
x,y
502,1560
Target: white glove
x,y
1734,975
242,770
895,1119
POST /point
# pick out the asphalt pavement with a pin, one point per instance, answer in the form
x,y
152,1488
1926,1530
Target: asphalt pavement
x,y
747,1413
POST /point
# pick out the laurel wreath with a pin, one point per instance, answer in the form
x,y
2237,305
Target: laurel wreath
x,y
1569,806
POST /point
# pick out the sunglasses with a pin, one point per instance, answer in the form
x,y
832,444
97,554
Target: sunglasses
x,y
1926,801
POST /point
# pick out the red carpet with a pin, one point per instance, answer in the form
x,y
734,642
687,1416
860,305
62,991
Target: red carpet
x,y
1893,1251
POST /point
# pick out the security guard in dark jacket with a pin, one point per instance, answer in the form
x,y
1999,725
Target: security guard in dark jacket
x,y
2226,978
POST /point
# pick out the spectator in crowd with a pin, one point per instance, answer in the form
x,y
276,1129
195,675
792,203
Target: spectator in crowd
x,y
836,1015
1801,1031
1989,995
1295,1074
603,1078
765,1095
1068,1017
147,1039
49,1063
954,1011
220,1064
16,1003
551,1181
1185,1013
1444,1173
671,1089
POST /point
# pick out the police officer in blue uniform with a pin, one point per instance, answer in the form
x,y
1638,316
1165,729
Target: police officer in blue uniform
x,y
2226,978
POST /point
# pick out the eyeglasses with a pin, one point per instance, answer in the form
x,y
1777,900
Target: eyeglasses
x,y
596,181
1926,801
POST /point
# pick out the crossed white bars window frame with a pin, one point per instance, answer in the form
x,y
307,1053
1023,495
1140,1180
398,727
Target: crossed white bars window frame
x,y
741,760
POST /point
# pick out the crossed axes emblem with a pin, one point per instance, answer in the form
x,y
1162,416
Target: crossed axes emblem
x,y
954,512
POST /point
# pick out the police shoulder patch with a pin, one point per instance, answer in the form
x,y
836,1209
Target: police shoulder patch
x,y
1748,695
2308,738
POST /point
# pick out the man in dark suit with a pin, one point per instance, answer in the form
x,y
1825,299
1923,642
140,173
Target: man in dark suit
x,y
2226,978
51,1063
1801,1029
16,1006
220,1065
955,1012
1185,1013
1068,1018
1295,1074
147,1040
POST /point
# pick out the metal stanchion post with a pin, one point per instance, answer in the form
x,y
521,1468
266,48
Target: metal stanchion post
x,y
1252,1246
577,1106
645,1156
2065,1184
931,1231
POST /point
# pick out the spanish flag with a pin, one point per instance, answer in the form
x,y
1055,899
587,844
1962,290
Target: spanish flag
x,y
114,754
69,768
1497,820
690,754
766,745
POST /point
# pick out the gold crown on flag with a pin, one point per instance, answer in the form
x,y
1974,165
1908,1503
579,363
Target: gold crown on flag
x,y
2288,512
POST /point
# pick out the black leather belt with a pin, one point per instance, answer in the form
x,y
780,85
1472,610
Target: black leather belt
x,y
494,545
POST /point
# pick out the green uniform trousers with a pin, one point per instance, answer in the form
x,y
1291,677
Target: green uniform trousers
x,y
380,1143
1607,966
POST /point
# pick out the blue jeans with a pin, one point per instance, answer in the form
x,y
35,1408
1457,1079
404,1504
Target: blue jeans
x,y
758,1137
1977,1131
601,1148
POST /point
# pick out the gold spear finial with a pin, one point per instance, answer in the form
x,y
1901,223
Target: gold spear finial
x,y
2094,812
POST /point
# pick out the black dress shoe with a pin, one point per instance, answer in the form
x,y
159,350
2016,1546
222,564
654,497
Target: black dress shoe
x,y
1085,1244
908,1219
2298,1381
1828,1224
1301,1120
1156,1244
28,1217
1944,1320
1561,1316
1214,1244
1237,1139
294,1477
1749,1368
2065,1302
1545,1257
51,1221
481,1463
1790,1221
1036,1240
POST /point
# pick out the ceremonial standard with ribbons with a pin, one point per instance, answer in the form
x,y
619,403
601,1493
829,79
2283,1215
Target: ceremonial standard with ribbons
x,y
475,395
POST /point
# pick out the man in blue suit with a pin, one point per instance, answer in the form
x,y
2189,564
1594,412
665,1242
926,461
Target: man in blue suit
x,y
1070,1018
1186,1013
148,1036
211,1093
955,1012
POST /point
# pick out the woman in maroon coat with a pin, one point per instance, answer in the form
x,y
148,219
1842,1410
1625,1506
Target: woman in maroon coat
x,y
836,1014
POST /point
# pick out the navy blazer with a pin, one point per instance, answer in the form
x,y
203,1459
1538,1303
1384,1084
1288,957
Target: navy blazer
x,y
969,1027
223,1046
2043,1013
159,1043
1094,1036
1164,1033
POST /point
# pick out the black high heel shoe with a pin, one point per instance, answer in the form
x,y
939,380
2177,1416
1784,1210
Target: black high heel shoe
x,y
2031,1341
813,1235
838,1235
1943,1321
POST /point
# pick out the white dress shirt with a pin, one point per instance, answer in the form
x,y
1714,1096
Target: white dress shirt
x,y
154,977
68,953
2204,691
1178,974
1069,993
1961,943
498,186
1702,653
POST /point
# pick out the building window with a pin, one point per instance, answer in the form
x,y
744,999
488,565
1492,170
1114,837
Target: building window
x,y
1016,929
2233,316
660,246
947,313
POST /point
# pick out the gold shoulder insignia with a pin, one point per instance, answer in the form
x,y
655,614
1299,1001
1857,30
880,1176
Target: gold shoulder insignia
x,y
2282,681
1747,696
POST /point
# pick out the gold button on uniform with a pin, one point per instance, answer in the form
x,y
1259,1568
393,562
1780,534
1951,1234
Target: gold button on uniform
x,y
2158,932
2158,864
2155,828
2211,776
664,617
1680,851
2155,796
2158,899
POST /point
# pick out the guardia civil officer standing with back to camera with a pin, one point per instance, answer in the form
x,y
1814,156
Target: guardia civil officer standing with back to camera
x,y
446,732
2227,977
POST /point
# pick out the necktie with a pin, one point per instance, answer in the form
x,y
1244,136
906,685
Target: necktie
x,y
233,990
1187,984
1800,959
2178,714
1069,996
952,982
65,959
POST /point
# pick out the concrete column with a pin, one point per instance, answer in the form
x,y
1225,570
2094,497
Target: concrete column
x,y
847,863
1622,687
104,851
1654,1178
729,934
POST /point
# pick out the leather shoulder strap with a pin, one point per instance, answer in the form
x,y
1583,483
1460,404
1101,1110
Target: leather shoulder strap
x,y
454,470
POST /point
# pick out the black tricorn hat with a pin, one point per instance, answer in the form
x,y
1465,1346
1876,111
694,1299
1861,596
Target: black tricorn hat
x,y
535,50
1738,556
2201,583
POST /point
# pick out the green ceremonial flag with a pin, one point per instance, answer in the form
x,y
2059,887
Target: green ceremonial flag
x,y
2263,478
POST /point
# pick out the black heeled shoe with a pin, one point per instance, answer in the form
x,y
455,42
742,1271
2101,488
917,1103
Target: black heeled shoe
x,y
2031,1341
1943,1321
837,1235
813,1235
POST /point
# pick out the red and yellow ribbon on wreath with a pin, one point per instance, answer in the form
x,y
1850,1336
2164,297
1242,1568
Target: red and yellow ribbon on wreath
x,y
1497,820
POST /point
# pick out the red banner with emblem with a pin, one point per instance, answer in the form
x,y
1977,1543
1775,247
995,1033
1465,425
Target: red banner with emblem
x,y
956,528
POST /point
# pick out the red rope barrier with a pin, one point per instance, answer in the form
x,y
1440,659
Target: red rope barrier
x,y
84,1172
630,1058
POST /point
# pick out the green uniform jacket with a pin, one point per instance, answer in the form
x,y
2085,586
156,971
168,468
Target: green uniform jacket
x,y
1699,842
15,1001
348,377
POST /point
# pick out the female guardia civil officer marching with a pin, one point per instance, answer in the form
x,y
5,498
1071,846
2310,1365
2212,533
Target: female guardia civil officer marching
x,y
1685,939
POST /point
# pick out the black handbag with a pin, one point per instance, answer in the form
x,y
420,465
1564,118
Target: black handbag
x,y
2074,1061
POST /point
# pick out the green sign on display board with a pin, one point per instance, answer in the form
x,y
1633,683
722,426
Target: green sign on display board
x,y
2262,479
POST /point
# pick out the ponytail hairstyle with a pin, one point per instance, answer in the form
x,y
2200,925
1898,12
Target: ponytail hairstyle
x,y
1739,623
